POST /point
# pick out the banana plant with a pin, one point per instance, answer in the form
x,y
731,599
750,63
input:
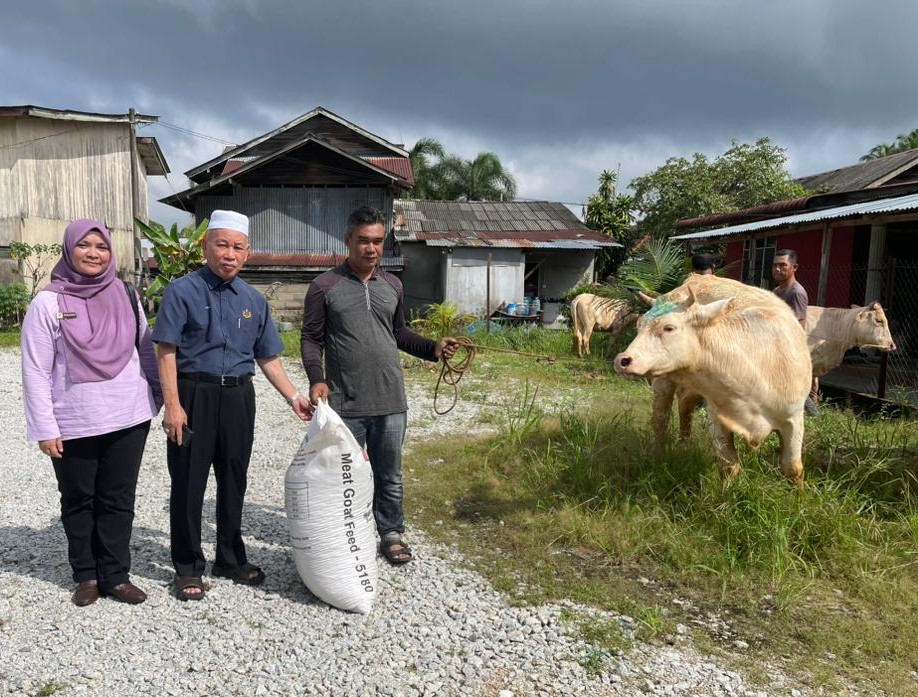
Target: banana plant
x,y
176,253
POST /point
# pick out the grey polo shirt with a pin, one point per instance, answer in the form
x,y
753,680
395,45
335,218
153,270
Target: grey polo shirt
x,y
219,327
360,328
795,296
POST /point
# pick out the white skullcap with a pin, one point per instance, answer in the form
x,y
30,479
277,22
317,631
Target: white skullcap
x,y
229,220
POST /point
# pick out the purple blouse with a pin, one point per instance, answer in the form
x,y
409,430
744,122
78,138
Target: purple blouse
x,y
57,408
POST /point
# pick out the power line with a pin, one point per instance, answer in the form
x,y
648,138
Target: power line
x,y
188,131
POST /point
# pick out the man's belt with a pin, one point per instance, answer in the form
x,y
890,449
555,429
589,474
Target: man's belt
x,y
222,380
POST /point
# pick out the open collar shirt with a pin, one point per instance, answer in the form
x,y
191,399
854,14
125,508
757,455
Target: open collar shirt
x,y
220,327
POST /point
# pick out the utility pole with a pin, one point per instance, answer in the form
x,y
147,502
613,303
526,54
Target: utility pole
x,y
135,196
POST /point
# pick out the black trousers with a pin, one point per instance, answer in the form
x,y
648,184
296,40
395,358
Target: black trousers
x,y
223,422
97,478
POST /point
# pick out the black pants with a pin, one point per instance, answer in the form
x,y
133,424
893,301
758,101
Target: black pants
x,y
97,478
223,422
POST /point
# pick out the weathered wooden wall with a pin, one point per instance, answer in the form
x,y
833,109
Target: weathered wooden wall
x,y
53,171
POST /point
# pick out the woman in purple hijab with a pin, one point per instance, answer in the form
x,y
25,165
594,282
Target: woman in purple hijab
x,y
90,389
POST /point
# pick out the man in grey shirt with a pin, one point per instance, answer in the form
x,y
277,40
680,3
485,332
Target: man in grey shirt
x,y
353,314
783,271
789,289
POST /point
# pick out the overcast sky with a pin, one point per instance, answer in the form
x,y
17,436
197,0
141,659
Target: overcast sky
x,y
559,90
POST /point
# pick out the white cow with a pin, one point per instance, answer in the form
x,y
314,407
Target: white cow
x,y
831,331
738,347
589,312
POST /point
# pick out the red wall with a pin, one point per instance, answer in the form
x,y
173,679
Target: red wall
x,y
734,255
841,258
808,245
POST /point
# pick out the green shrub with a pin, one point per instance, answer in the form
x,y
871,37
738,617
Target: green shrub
x,y
14,301
442,319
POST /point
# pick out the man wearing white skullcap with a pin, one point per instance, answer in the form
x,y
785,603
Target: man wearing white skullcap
x,y
211,329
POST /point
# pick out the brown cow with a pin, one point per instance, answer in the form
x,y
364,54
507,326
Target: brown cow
x,y
590,312
742,350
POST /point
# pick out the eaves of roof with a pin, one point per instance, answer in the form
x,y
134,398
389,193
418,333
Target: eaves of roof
x,y
305,260
152,156
178,198
233,153
851,211
556,239
800,205
70,115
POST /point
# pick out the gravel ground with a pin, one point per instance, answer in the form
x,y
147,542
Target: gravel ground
x,y
436,628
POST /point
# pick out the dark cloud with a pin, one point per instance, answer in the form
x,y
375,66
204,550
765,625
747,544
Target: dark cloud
x,y
634,81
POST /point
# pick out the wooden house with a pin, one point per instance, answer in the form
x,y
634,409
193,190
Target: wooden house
x,y
854,246
298,183
57,165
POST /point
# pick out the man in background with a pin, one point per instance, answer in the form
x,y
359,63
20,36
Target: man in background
x,y
703,264
790,290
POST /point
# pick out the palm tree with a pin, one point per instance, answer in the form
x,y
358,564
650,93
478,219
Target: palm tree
x,y
425,157
481,179
905,141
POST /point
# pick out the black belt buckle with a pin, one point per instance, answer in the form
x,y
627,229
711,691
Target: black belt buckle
x,y
229,380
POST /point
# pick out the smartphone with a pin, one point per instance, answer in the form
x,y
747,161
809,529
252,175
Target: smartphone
x,y
186,436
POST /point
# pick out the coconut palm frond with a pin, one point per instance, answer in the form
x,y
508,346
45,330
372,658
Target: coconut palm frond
x,y
660,267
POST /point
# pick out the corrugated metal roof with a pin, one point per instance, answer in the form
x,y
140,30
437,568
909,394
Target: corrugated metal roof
x,y
399,166
854,210
521,216
507,224
864,175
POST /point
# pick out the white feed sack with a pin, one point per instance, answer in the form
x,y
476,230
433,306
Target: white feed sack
x,y
329,501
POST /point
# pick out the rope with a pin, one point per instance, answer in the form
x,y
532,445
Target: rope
x,y
453,369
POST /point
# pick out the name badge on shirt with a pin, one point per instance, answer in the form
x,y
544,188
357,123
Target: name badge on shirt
x,y
66,315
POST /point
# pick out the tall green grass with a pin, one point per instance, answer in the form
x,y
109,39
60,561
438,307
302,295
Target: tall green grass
x,y
584,503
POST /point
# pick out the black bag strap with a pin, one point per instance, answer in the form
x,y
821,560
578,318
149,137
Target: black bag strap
x,y
132,297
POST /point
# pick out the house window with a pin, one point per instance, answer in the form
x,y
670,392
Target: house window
x,y
757,258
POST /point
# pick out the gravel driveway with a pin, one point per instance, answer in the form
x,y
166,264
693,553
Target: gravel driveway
x,y
436,629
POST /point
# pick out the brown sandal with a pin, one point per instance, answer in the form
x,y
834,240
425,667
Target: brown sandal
x,y
185,587
395,551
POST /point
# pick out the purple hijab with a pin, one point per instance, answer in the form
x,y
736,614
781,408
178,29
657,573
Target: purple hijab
x,y
100,338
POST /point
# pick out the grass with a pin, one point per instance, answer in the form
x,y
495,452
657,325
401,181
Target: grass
x,y
582,504
50,688
10,339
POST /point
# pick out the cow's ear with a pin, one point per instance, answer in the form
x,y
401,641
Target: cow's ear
x,y
705,314
861,316
647,299
875,305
